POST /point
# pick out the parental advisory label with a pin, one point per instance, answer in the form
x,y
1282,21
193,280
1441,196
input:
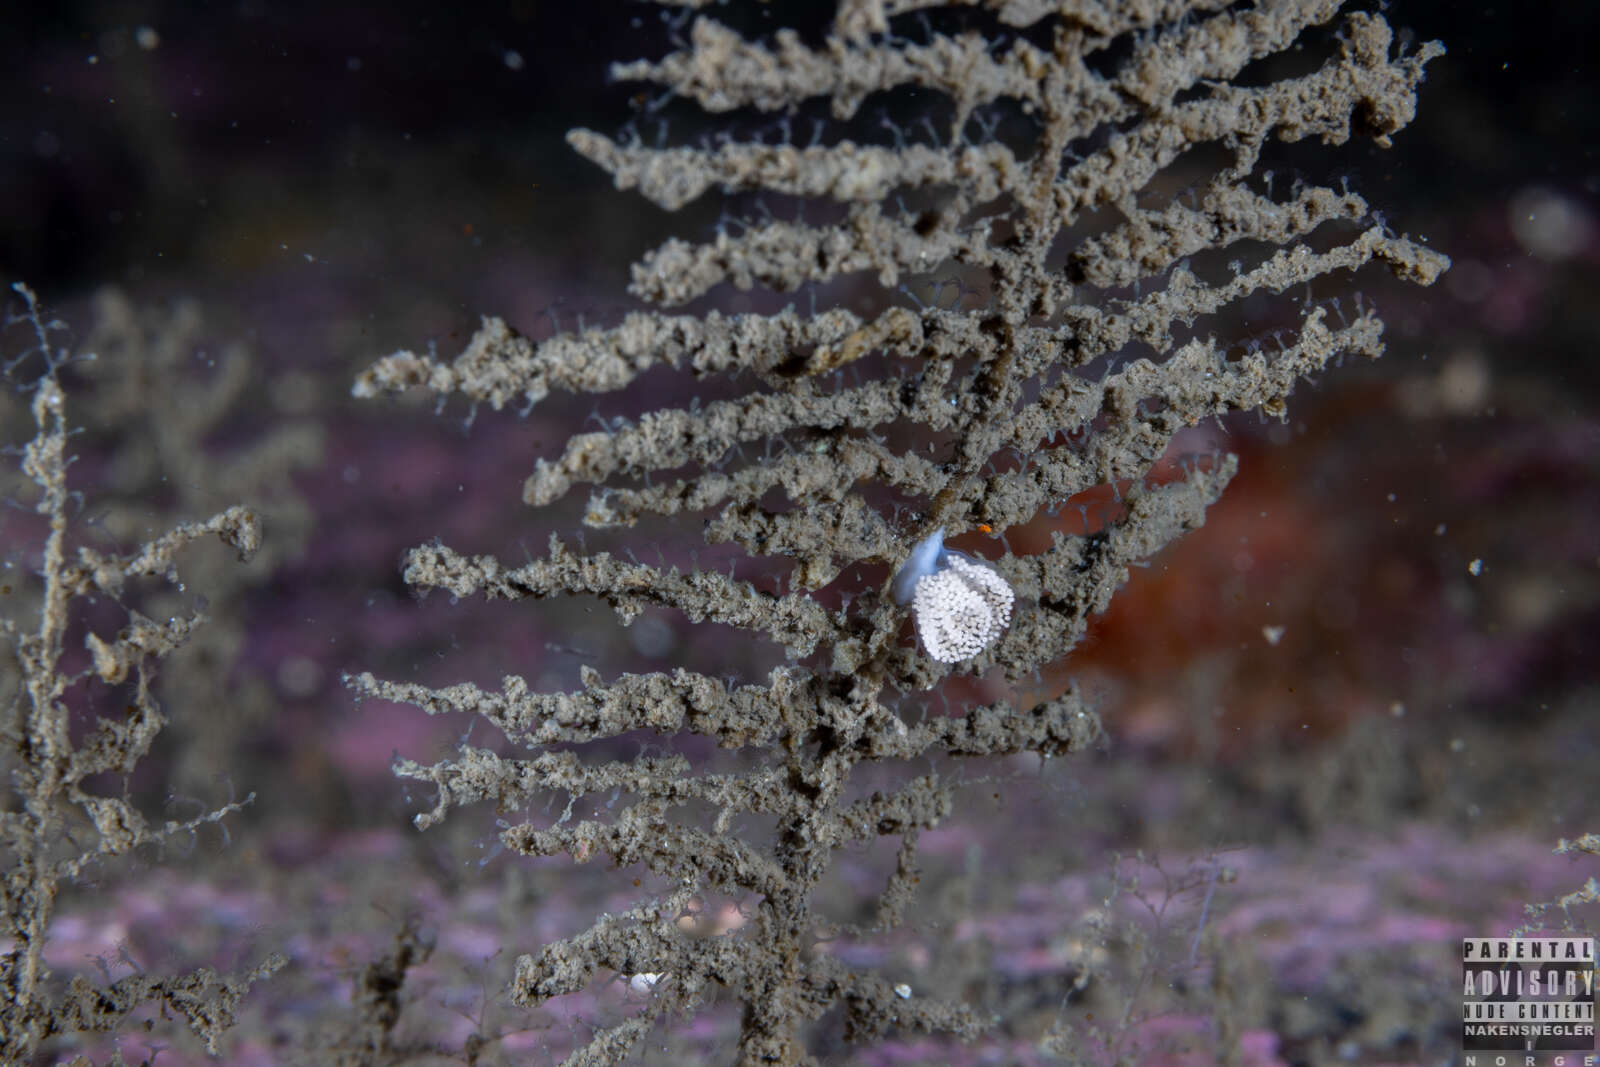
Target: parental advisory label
x,y
1527,995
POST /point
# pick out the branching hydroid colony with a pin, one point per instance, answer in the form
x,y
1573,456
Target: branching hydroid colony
x,y
59,748
1086,367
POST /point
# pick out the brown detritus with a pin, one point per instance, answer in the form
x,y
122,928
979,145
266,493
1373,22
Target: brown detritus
x,y
378,997
1577,909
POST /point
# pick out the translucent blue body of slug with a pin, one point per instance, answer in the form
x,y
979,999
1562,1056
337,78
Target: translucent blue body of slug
x,y
929,556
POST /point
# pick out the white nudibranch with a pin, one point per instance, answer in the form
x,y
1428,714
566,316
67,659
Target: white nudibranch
x,y
959,604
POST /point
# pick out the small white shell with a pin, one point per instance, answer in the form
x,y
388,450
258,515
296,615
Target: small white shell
x,y
959,605
644,981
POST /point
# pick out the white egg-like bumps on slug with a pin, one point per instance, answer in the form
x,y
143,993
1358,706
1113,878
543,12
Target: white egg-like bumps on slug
x,y
959,605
